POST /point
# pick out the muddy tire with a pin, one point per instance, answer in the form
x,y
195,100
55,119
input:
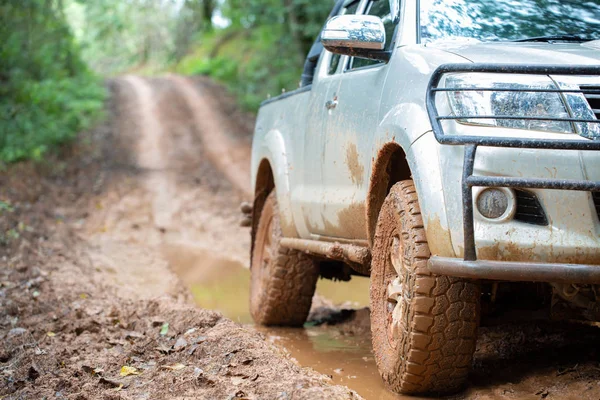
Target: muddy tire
x,y
424,326
283,281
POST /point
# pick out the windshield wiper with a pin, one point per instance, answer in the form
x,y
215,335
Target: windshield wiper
x,y
558,38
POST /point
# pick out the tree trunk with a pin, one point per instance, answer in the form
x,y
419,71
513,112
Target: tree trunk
x,y
208,10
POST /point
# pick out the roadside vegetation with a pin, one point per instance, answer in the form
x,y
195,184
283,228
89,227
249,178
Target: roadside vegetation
x,y
47,93
55,53
262,49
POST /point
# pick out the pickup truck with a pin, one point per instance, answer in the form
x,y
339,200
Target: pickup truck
x,y
448,150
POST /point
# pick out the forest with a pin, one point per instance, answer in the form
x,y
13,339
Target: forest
x,y
57,54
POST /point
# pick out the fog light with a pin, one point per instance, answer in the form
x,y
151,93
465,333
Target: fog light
x,y
492,203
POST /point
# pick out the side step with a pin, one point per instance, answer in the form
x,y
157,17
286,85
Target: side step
x,y
349,253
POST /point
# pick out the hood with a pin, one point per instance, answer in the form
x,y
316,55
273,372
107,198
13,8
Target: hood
x,y
524,53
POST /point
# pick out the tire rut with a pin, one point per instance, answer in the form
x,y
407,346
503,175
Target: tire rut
x,y
230,156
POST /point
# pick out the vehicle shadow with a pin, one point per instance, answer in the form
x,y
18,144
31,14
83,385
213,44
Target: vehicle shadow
x,y
548,352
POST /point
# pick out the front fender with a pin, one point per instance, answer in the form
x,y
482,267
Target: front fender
x,y
408,126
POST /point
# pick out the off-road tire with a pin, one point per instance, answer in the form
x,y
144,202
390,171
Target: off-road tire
x,y
283,281
427,346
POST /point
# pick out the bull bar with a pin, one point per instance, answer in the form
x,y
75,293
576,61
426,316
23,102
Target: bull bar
x,y
470,267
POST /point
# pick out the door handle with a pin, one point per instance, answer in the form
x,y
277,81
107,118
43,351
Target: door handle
x,y
331,104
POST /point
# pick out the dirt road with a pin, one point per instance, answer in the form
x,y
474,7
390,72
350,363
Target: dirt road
x,y
99,253
91,304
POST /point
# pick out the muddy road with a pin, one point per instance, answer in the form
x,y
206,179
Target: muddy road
x,y
118,258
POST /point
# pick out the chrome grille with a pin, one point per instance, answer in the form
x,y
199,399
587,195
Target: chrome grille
x,y
592,95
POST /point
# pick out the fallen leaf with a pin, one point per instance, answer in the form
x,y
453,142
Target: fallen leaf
x,y
190,331
164,329
175,367
180,344
83,296
51,334
35,293
200,339
192,349
118,388
91,370
126,371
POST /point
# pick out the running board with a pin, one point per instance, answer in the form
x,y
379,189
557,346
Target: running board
x,y
334,250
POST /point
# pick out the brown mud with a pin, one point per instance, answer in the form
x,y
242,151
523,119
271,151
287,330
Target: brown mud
x,y
91,306
118,236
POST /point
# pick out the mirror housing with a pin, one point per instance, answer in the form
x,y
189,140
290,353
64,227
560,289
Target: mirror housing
x,y
357,36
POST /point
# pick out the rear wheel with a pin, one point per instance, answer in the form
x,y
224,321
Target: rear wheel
x,y
424,326
283,281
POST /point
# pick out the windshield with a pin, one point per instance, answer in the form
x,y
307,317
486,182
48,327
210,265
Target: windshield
x,y
492,20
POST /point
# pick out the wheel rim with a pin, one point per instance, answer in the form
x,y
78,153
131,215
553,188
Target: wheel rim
x,y
260,269
393,303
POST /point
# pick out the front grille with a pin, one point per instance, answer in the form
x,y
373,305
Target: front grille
x,y
596,197
592,95
529,208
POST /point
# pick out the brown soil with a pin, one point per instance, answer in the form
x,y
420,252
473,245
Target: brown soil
x,y
99,244
90,241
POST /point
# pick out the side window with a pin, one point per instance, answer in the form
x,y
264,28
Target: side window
x,y
381,9
335,58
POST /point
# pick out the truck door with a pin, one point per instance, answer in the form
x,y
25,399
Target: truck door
x,y
307,202
353,116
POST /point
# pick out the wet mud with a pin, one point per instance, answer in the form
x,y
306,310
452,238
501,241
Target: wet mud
x,y
137,234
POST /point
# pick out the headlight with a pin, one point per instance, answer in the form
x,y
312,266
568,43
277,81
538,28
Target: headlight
x,y
520,103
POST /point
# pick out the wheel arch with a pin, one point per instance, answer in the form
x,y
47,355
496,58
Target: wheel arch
x,y
390,166
264,185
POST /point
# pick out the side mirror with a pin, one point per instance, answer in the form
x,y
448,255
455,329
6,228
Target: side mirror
x,y
356,35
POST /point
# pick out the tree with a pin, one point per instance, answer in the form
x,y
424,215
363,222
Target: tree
x,y
47,94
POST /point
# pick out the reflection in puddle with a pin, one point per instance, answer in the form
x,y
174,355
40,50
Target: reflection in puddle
x,y
342,352
346,358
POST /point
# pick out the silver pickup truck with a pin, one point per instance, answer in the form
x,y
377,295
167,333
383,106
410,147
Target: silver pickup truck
x,y
448,149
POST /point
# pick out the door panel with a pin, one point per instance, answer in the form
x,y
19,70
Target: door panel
x,y
308,197
348,140
347,145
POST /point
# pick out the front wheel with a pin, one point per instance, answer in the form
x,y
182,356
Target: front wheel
x,y
424,326
283,281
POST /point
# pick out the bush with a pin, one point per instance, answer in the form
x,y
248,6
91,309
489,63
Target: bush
x,y
262,51
47,94
40,115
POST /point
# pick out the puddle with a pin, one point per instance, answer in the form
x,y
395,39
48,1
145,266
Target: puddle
x,y
347,359
222,284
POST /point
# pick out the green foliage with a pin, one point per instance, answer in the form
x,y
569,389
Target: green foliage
x,y
47,95
262,52
142,35
5,207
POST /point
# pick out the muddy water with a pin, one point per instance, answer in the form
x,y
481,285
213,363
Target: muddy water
x,y
344,353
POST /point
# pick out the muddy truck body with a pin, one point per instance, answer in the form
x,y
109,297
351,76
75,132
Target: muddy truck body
x,y
448,150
